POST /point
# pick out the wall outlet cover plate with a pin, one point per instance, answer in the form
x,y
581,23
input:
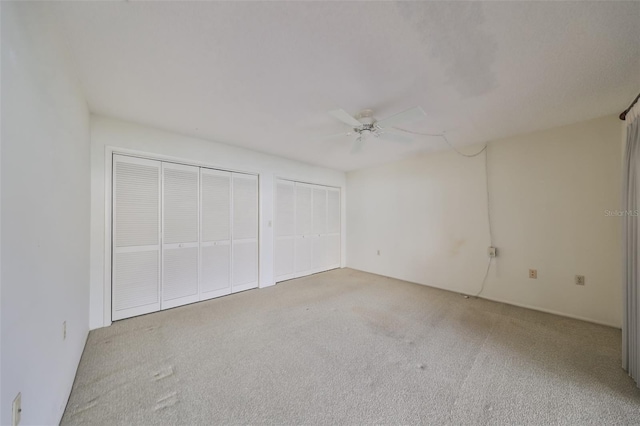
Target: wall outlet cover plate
x,y
16,410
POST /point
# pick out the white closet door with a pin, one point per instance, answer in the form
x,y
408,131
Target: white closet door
x,y
319,210
319,236
215,233
318,253
304,229
244,234
333,228
285,230
136,237
180,246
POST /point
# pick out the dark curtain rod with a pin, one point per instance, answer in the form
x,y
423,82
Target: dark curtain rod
x,y
623,115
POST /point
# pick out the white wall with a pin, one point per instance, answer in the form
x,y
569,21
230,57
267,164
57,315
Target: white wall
x,y
121,135
45,217
549,192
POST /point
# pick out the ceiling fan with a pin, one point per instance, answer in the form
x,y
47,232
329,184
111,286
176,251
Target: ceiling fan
x,y
364,125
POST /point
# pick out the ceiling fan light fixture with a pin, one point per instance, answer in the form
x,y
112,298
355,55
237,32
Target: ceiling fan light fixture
x,y
366,117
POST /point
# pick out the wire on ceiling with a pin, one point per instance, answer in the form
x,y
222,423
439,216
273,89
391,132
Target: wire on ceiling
x,y
443,136
486,178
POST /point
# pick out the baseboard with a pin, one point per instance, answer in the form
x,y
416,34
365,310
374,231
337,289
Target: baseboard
x,y
70,385
551,311
505,301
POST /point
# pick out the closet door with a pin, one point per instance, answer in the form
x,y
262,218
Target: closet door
x,y
304,222
215,233
284,230
319,237
136,237
180,246
244,243
333,228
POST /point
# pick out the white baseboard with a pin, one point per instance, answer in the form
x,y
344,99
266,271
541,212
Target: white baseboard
x,y
551,311
508,302
71,380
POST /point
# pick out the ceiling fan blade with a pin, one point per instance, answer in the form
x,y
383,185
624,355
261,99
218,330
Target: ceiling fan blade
x,y
395,137
357,146
334,136
412,114
344,116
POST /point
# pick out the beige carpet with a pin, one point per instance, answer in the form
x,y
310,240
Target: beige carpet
x,y
347,347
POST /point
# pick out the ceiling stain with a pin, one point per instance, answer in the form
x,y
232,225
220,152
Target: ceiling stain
x,y
260,75
454,35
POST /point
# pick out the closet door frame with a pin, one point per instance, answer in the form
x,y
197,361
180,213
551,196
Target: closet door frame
x,y
110,151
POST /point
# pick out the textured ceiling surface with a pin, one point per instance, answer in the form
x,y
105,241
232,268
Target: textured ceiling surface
x,y
263,75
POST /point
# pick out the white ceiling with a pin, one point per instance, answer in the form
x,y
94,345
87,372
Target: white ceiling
x,y
262,75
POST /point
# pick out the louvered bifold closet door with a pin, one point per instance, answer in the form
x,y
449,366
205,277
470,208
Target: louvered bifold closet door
x,y
244,235
304,229
215,233
319,236
333,229
136,237
285,230
180,245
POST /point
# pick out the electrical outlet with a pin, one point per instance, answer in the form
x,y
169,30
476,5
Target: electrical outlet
x,y
579,279
64,330
378,252
533,273
492,252
16,410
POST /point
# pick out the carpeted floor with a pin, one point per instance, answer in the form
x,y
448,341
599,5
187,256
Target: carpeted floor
x,y
349,347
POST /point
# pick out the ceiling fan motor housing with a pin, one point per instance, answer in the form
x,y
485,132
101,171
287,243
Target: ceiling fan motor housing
x,y
368,123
